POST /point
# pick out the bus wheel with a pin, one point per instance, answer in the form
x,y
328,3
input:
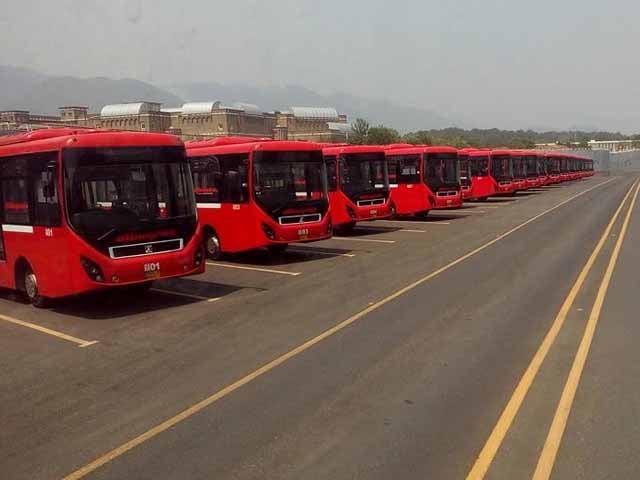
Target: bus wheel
x,y
277,249
212,246
424,214
31,289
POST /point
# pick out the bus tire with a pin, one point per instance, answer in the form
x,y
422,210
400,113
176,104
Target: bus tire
x,y
278,248
30,287
212,245
424,214
347,227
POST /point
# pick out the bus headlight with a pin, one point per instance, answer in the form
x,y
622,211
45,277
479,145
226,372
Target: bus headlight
x,y
351,212
329,227
198,257
92,269
268,231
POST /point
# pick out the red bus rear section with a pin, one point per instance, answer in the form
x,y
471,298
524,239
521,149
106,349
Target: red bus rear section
x,y
85,210
358,183
259,194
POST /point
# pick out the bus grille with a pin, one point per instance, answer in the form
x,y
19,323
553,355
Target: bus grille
x,y
149,248
371,203
297,219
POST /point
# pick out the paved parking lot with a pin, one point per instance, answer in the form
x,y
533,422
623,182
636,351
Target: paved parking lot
x,y
92,373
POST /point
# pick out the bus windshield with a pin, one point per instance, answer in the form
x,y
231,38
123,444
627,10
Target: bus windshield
x,y
288,179
501,168
441,169
363,173
479,166
111,190
519,169
465,172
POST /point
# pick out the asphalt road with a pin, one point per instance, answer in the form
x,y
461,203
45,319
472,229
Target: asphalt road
x,y
391,353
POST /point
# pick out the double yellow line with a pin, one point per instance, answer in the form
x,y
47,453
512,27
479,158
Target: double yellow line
x,y
554,437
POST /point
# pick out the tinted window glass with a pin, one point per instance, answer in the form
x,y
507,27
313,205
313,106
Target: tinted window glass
x,y
332,177
221,178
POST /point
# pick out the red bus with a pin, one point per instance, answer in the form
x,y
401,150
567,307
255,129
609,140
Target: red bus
x,y
483,185
86,209
442,176
501,171
519,167
358,183
252,194
543,175
466,183
423,178
553,167
409,194
533,175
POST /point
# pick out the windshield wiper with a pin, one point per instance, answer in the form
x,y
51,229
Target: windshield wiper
x,y
107,234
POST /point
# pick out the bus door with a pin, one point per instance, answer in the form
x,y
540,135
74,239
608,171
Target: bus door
x,y
221,184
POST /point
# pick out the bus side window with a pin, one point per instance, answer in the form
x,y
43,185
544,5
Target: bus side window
x,y
15,201
392,165
15,195
234,187
3,254
207,179
332,174
44,179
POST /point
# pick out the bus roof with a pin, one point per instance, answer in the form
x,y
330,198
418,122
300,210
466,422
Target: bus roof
x,y
57,138
219,141
337,150
268,146
440,149
500,152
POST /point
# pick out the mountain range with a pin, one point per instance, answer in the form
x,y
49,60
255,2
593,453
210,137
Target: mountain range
x,y
36,92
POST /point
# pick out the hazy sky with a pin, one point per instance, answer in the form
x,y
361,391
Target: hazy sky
x,y
504,63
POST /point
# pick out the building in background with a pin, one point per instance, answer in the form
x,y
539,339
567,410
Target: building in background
x,y
192,121
614,145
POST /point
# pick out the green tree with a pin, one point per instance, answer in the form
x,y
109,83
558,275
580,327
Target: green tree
x,y
382,135
418,138
359,131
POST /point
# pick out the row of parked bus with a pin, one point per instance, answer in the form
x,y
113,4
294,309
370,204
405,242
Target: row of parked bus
x,y
83,209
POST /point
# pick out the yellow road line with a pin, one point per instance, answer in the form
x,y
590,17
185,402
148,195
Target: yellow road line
x,y
493,443
63,336
554,438
254,269
186,295
194,409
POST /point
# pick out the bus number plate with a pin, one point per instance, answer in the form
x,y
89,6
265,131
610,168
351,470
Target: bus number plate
x,y
373,213
303,233
152,270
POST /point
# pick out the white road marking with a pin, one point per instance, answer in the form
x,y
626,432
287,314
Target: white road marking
x,y
254,269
